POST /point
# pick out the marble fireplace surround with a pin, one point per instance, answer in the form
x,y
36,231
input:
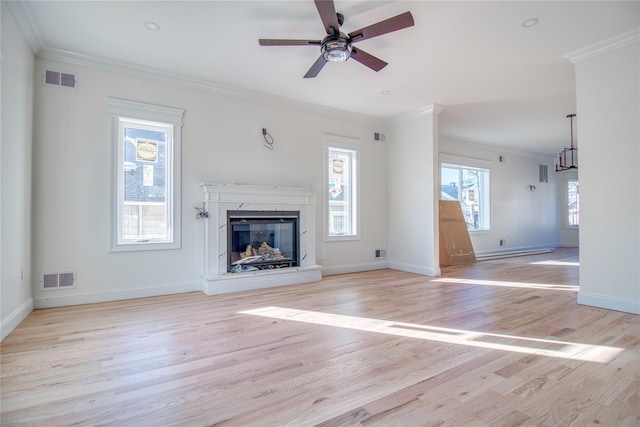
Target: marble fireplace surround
x,y
220,198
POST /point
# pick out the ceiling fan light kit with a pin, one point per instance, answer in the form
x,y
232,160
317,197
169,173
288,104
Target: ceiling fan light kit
x,y
337,46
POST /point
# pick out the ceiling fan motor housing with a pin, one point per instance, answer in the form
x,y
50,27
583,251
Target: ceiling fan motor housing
x,y
336,48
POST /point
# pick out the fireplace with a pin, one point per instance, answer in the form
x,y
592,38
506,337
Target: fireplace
x,y
261,240
280,221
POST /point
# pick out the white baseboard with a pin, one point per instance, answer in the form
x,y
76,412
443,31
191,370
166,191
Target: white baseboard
x,y
608,302
354,268
14,319
568,245
48,299
237,282
425,271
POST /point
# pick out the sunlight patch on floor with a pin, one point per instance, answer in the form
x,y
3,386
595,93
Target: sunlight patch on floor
x,y
549,286
513,343
559,263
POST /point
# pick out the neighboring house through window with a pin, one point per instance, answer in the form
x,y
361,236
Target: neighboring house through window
x,y
341,177
470,186
145,193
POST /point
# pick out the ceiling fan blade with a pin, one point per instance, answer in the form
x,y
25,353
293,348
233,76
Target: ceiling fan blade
x,y
287,42
316,67
376,64
327,11
396,23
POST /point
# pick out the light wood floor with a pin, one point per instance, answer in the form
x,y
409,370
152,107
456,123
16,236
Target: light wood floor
x,y
498,343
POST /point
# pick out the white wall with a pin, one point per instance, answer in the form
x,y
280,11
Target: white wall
x,y
15,154
524,219
219,145
413,179
608,101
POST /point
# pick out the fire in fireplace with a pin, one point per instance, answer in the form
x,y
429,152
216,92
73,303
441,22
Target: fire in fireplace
x,y
259,240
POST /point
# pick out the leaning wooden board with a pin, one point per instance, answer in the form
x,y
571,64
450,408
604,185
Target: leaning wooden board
x,y
455,244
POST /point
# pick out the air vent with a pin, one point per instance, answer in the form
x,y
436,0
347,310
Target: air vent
x,y
63,280
381,253
60,79
543,173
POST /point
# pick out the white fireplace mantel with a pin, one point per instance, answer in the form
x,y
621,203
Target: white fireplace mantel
x,y
220,198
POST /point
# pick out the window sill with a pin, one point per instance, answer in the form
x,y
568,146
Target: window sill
x,y
341,238
479,231
137,247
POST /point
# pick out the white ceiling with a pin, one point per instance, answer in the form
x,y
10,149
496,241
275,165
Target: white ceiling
x,y
500,83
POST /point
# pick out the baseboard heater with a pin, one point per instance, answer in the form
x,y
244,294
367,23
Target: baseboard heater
x,y
511,254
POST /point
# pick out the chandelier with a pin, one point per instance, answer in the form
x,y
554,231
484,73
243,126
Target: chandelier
x,y
568,154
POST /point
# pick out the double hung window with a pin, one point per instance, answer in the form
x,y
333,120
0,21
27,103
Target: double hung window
x,y
341,177
470,186
145,196
573,202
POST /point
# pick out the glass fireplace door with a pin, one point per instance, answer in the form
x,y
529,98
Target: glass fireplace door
x,y
258,241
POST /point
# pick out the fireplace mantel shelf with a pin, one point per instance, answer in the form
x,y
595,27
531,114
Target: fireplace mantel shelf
x,y
221,198
249,188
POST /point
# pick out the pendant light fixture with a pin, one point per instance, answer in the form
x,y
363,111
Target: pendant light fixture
x,y
568,157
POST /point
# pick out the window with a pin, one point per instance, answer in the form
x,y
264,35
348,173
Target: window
x,y
573,202
470,186
341,177
145,194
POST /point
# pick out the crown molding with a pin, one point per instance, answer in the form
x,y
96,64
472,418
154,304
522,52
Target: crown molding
x,y
433,109
500,148
199,84
22,15
604,46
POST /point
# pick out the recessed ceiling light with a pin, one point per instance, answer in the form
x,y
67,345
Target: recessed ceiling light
x,y
530,22
152,26
386,92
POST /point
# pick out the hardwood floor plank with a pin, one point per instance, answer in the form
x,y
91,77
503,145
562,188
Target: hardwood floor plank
x,y
495,343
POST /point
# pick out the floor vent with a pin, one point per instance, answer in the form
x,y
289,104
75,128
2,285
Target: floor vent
x,y
64,280
60,79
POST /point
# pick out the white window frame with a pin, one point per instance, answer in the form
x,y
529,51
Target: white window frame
x,y
457,162
340,143
570,177
148,116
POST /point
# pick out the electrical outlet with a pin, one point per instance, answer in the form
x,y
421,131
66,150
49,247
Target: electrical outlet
x,y
502,242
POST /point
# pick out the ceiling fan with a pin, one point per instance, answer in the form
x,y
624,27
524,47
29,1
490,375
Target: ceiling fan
x,y
337,46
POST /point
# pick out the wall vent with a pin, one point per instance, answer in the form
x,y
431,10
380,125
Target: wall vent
x,y
63,280
381,253
60,79
543,173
